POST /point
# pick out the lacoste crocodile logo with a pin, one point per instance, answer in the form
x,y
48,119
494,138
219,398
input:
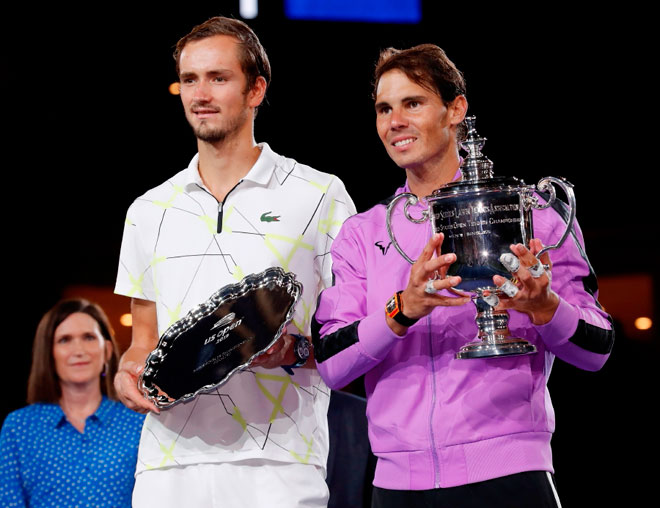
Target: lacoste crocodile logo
x,y
265,217
383,249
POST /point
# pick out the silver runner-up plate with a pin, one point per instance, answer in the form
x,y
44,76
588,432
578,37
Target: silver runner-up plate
x,y
219,337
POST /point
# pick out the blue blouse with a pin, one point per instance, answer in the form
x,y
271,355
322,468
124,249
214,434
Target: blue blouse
x,y
46,462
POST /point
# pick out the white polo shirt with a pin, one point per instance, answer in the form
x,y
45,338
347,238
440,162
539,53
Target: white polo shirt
x,y
180,246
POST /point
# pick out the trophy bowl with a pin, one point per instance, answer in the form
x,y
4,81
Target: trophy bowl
x,y
219,337
481,216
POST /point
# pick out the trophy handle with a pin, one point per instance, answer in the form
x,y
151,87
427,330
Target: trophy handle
x,y
545,185
412,200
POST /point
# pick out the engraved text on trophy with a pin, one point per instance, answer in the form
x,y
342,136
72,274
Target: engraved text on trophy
x,y
478,229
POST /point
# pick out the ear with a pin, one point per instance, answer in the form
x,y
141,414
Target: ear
x,y
257,92
458,109
108,350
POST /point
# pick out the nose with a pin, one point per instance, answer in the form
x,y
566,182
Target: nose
x,y
398,119
201,92
78,347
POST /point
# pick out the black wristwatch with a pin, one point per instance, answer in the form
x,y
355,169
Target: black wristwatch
x,y
301,349
394,309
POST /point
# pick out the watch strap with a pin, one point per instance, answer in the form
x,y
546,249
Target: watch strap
x,y
394,309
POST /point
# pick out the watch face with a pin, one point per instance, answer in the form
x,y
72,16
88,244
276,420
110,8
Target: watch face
x,y
390,305
302,348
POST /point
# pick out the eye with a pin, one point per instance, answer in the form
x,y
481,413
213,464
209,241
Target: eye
x,y
90,337
63,339
383,110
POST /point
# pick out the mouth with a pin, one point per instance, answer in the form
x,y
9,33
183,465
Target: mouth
x,y
403,142
204,112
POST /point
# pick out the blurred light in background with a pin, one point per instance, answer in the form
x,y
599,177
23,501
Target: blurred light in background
x,y
126,319
628,298
248,9
375,11
643,323
175,88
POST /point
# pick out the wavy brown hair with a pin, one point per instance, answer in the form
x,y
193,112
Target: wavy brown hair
x,y
43,383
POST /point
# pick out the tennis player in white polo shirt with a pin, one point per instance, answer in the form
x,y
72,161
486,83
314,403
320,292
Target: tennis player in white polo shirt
x,y
261,439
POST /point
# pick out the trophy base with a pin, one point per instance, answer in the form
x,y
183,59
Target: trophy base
x,y
497,348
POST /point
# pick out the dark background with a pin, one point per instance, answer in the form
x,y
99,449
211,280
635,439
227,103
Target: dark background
x,y
90,125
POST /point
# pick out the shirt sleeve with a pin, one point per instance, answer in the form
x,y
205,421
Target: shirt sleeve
x,y
134,275
12,493
348,342
336,207
580,332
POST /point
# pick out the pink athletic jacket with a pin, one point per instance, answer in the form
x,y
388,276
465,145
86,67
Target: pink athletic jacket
x,y
435,421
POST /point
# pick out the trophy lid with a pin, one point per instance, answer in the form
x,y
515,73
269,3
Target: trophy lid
x,y
475,166
476,169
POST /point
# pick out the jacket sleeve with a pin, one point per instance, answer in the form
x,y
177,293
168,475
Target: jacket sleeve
x,y
348,341
580,332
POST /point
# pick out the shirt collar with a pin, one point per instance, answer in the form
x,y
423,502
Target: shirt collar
x,y
260,173
104,410
56,417
53,414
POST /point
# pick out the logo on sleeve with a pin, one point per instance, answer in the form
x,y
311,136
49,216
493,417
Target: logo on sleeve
x,y
383,249
266,217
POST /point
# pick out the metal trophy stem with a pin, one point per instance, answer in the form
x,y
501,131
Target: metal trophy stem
x,y
493,337
481,216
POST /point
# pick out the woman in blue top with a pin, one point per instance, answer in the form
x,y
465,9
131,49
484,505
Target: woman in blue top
x,y
74,445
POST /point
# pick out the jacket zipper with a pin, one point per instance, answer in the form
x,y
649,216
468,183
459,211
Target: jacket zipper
x,y
436,468
434,453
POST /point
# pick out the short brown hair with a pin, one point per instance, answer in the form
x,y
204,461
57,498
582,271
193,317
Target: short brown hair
x,y
252,55
429,67
43,383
